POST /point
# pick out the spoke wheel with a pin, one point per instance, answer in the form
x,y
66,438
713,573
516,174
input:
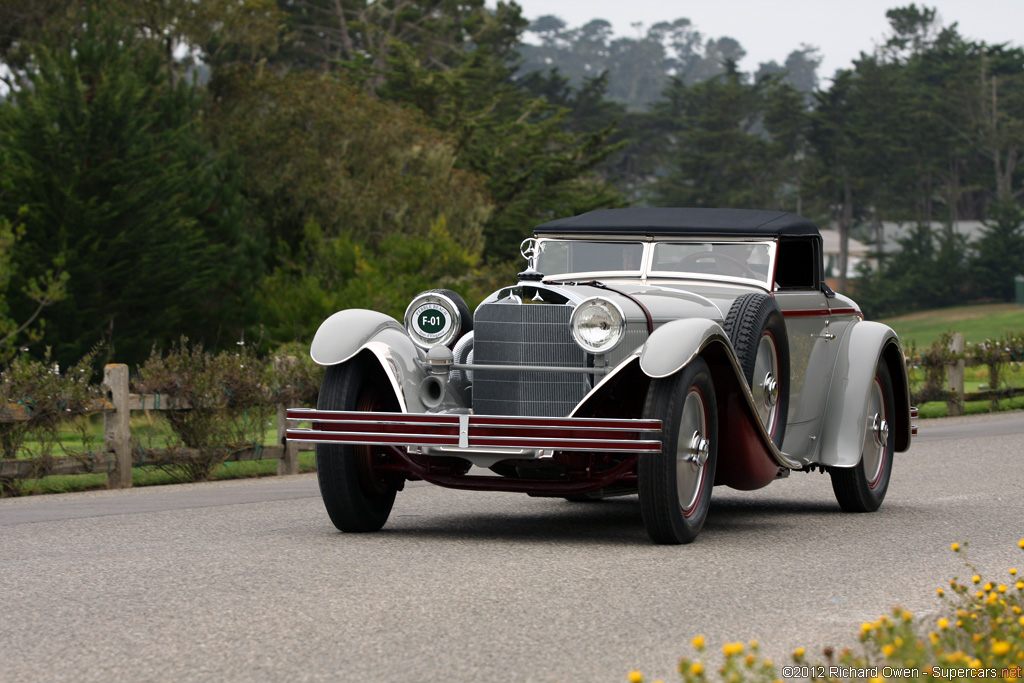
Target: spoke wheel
x,y
357,493
757,330
862,488
675,485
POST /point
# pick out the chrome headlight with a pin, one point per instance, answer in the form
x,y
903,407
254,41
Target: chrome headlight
x,y
432,319
598,325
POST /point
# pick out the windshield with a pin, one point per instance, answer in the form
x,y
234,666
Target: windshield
x,y
733,259
576,256
748,260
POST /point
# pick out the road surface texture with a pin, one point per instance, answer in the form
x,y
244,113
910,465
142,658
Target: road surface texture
x,y
249,581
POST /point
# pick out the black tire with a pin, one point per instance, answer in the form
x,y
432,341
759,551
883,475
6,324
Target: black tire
x,y
465,315
755,326
357,495
675,494
862,488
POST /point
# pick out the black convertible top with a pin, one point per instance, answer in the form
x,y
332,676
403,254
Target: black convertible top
x,y
672,221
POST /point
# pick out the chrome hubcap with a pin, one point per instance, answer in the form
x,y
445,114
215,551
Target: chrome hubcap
x,y
771,390
698,451
876,437
692,451
880,428
766,392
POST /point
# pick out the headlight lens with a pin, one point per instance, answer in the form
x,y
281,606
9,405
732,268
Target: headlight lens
x,y
432,319
598,325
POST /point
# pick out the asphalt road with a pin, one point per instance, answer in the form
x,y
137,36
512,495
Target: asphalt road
x,y
248,580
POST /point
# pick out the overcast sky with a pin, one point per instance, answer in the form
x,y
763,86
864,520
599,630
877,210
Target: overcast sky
x,y
767,30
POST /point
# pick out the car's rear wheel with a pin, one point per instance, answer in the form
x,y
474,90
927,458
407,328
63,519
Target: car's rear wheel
x,y
757,331
675,485
862,488
357,493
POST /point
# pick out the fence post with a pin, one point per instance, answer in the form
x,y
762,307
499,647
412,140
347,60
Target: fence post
x,y
116,425
955,405
289,462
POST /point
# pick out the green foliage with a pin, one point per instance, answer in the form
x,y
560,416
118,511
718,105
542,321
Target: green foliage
x,y
229,397
537,166
317,149
38,398
929,271
999,253
979,633
42,290
106,152
332,273
729,143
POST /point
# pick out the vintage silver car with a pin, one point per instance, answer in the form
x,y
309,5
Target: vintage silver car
x,y
658,351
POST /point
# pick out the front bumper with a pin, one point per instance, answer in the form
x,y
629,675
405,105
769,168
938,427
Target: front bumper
x,y
455,433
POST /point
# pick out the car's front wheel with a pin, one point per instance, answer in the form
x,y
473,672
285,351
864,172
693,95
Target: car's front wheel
x,y
862,488
357,493
675,485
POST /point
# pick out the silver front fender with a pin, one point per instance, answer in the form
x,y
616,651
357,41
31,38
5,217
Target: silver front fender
x,y
845,417
675,344
347,333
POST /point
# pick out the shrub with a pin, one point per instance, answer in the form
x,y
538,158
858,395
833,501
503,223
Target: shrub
x,y
979,635
223,404
39,399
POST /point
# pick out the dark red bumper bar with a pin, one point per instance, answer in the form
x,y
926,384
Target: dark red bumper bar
x,y
472,432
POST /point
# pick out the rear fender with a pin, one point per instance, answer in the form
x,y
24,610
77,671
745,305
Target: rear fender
x,y
846,407
380,339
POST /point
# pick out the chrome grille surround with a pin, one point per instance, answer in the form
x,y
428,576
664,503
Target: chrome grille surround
x,y
507,332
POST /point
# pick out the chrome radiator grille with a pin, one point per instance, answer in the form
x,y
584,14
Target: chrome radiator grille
x,y
526,334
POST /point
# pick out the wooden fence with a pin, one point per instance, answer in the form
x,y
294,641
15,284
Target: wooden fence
x,y
955,396
118,457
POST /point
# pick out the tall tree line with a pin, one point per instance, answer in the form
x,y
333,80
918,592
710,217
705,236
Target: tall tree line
x,y
239,169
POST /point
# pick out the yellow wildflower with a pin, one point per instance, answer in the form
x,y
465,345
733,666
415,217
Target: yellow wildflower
x,y
696,669
943,623
1020,585
940,592
933,637
1020,543
698,642
636,677
976,579
887,650
955,547
907,616
753,644
1002,588
1013,571
798,653
1000,647
987,587
866,627
749,660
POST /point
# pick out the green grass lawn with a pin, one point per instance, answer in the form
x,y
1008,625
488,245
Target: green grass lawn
x,y
152,476
977,323
151,430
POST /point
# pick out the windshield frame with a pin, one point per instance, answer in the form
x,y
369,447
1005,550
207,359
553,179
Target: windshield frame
x,y
646,270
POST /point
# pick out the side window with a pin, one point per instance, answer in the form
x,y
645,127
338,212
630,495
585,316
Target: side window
x,y
797,264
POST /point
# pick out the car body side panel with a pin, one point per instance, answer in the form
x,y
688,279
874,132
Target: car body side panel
x,y
846,419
